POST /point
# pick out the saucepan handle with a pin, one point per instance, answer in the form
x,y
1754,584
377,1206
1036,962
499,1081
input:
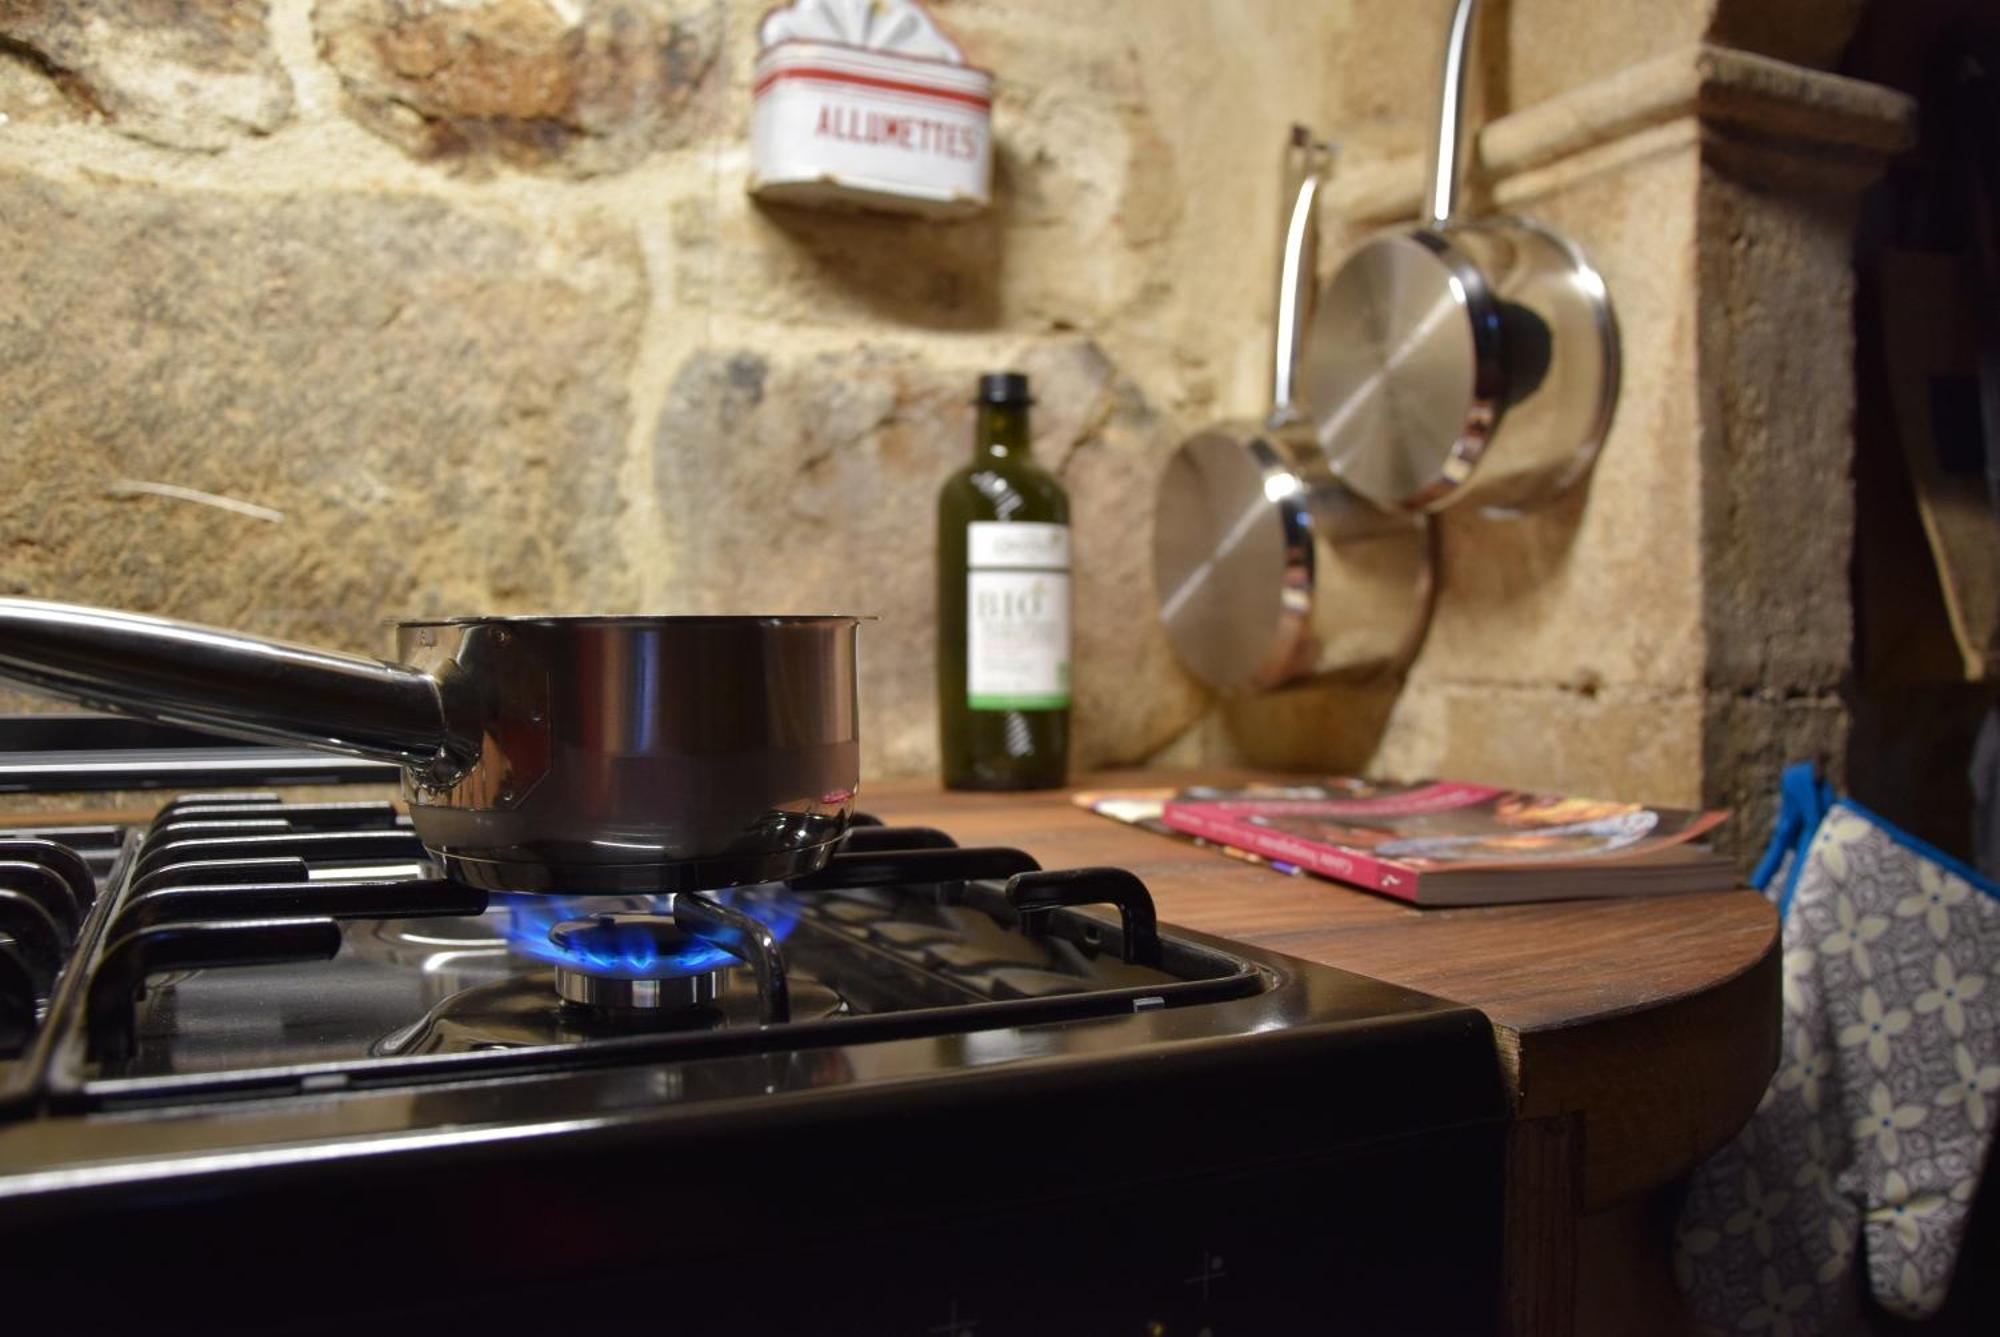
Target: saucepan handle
x,y
1306,161
1449,146
182,673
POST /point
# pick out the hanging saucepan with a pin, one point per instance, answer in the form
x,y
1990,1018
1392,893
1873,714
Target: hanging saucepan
x,y
1463,360
1268,570
572,755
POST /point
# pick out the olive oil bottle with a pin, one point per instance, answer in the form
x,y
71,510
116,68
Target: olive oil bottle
x,y
1003,605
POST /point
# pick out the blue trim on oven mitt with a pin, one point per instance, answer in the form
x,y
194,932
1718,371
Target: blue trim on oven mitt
x,y
1923,849
1803,802
1804,799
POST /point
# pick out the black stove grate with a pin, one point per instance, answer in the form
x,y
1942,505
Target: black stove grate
x,y
923,936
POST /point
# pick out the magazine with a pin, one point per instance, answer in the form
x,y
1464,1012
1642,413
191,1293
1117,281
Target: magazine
x,y
1442,842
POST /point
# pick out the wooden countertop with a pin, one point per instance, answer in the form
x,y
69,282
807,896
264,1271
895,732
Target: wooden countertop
x,y
1653,1021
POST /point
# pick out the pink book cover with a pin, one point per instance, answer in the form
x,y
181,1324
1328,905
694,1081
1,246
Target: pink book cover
x,y
1389,838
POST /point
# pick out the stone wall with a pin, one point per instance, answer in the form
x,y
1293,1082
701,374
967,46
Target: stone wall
x,y
320,312
463,307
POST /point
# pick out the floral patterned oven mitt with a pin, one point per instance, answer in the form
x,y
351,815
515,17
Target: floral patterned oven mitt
x,y
1866,1151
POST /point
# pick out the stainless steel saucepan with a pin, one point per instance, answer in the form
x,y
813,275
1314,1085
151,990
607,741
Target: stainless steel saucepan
x,y
1268,569
1462,360
572,755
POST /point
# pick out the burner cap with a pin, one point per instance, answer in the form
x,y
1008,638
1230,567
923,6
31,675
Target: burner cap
x,y
633,962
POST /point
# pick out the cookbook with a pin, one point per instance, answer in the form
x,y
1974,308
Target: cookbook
x,y
1442,843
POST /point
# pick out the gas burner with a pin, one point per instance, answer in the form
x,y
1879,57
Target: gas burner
x,y
524,1012
634,962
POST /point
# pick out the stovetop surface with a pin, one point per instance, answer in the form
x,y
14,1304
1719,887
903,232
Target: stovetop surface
x,y
248,982
485,983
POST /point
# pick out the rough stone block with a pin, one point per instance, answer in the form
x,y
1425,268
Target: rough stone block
x,y
1625,744
809,484
791,266
422,407
185,73
579,86
1604,585
1635,745
1096,224
1777,452
29,96
1747,740
1387,53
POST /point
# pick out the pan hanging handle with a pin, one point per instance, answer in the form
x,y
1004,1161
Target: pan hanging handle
x,y
181,673
1306,162
1446,167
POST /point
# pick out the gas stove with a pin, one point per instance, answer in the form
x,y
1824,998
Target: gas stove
x,y
264,1063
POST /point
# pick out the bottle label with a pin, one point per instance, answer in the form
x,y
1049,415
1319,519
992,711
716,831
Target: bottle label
x,y
1016,615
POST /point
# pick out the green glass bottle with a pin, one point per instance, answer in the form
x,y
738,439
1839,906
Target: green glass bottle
x,y
1003,606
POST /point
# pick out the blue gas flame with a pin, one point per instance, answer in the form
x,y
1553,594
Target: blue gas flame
x,y
634,953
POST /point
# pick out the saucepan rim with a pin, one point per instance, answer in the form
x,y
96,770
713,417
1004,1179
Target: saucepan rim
x,y
639,619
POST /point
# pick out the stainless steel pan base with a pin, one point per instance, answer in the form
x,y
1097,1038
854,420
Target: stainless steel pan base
x,y
555,872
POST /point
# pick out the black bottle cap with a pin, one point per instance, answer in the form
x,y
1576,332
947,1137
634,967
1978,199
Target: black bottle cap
x,y
1003,387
